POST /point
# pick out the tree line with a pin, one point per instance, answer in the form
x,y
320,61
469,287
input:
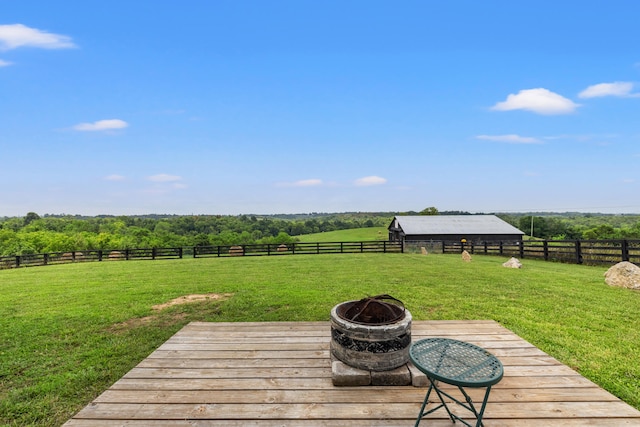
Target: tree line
x,y
64,233
576,226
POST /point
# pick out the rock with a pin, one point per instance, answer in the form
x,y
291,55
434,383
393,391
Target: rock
x,y
236,251
67,256
465,256
624,274
513,263
115,255
423,250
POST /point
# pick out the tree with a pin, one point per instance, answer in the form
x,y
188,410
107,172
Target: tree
x,y
429,211
31,216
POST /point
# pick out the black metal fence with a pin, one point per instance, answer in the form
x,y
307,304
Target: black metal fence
x,y
32,260
590,252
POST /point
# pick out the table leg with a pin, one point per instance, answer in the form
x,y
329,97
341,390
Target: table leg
x,y
484,405
424,403
469,405
432,386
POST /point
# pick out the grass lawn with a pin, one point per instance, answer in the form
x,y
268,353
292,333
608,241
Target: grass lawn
x,y
68,332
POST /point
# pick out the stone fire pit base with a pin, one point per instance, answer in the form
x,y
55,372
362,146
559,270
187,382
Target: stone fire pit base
x,y
344,375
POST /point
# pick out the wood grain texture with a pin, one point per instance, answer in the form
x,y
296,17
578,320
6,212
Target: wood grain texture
x,y
279,374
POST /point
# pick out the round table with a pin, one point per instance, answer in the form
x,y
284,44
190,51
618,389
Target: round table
x,y
457,363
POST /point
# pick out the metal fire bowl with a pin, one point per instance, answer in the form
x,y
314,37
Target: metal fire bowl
x,y
372,311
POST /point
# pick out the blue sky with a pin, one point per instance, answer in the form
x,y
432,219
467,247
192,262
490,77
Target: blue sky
x,y
262,107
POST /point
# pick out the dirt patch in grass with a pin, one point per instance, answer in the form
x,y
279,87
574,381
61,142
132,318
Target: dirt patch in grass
x,y
147,320
186,299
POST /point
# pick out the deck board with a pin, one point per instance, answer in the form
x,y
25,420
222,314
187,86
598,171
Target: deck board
x,y
275,374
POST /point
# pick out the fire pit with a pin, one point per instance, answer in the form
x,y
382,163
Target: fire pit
x,y
372,334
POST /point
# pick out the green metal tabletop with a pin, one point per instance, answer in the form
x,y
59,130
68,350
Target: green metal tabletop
x,y
456,362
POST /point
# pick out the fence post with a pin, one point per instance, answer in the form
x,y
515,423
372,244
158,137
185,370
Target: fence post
x,y
521,243
17,261
501,247
625,250
45,259
100,255
545,246
126,254
180,252
153,253
578,252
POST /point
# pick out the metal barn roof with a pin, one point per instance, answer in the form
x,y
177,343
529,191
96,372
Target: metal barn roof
x,y
454,224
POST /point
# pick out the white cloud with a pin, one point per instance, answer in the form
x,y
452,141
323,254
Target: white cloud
x,y
5,63
510,139
540,101
114,177
622,89
370,180
163,177
14,36
101,125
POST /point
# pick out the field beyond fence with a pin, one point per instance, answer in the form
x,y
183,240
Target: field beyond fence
x,y
32,260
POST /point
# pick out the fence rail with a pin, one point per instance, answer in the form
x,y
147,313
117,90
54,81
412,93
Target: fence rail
x,y
591,252
32,260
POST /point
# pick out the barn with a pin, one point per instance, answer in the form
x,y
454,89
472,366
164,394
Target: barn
x,y
453,228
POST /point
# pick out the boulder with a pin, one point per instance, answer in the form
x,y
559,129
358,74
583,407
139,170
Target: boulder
x,y
624,274
465,256
236,251
113,255
513,263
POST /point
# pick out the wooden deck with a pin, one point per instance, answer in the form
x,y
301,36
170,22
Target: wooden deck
x,y
279,374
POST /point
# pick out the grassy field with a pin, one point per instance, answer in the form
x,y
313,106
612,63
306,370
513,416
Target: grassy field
x,y
352,235
67,332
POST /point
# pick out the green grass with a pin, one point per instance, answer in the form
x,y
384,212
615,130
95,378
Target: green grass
x,y
351,235
68,332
